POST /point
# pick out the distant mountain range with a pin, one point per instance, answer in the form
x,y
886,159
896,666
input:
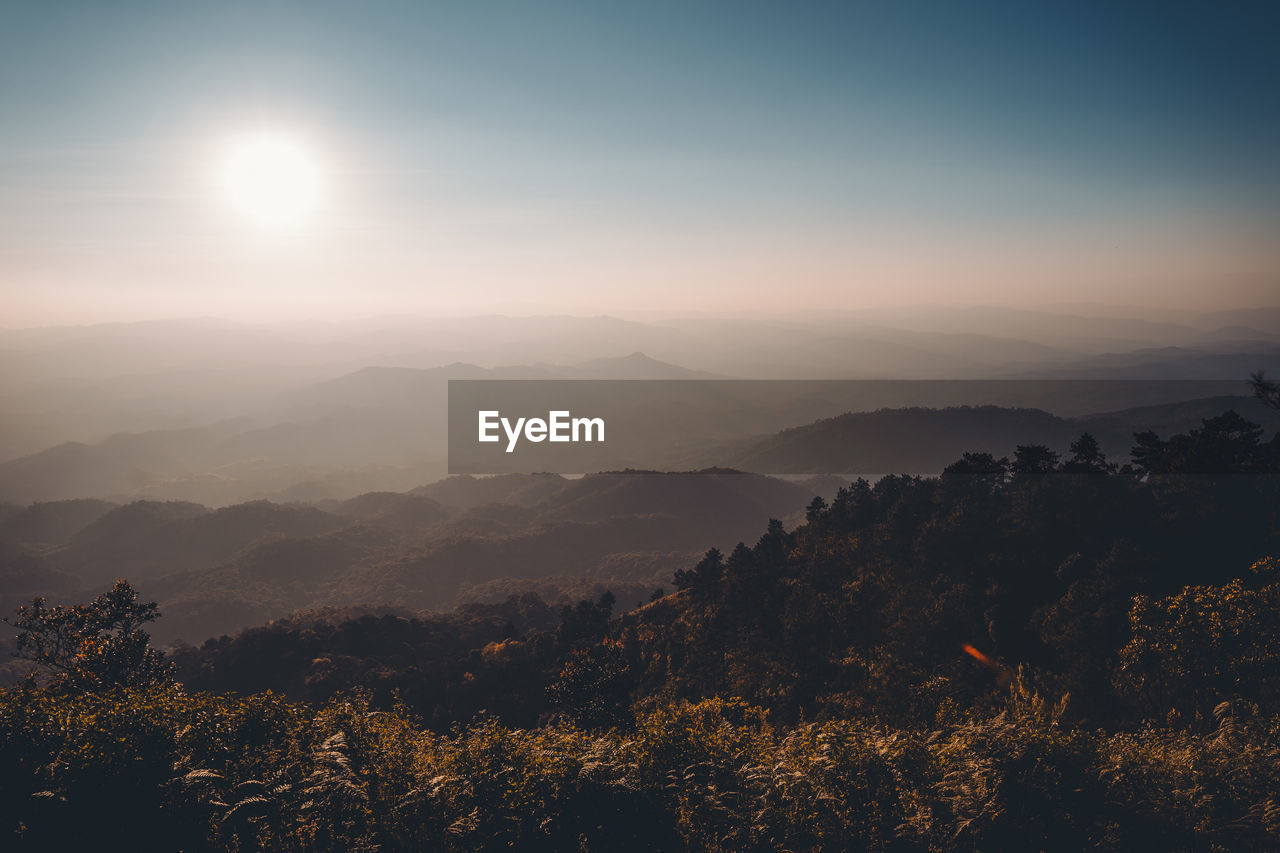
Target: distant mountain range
x,y
376,428
1244,358
217,413
218,570
382,429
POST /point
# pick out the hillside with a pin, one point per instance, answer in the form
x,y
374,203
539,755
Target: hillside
x,y
218,570
1037,652
914,440
924,440
1225,359
51,523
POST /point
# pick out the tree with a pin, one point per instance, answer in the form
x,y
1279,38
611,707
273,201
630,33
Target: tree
x,y
1265,390
1206,644
817,507
592,685
94,646
705,576
983,464
1226,444
1034,459
1087,457
587,620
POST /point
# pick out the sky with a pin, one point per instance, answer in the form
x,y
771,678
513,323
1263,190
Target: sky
x,y
586,158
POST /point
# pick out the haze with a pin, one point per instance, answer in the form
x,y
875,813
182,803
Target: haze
x,y
244,245
639,158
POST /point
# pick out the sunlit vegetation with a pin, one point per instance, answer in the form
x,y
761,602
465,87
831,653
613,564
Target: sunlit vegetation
x,y
1037,653
160,769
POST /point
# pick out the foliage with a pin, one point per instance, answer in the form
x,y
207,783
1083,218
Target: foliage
x,y
1225,444
158,769
1191,651
96,645
591,687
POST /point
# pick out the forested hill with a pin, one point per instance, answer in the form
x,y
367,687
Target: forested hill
x,y
1042,652
924,440
1034,562
460,539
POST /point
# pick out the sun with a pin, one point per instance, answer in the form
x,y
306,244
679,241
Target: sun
x,y
271,179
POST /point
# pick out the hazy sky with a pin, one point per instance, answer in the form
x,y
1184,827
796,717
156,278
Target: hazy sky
x,y
607,157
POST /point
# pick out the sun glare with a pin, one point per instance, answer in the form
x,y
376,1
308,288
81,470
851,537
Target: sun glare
x,y
272,180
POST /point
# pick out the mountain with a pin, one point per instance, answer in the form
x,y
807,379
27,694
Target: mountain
x,y
226,463
52,523
399,388
912,440
1082,329
219,413
634,366
925,440
215,570
466,492
1175,362
894,673
1266,319
1170,418
375,428
150,538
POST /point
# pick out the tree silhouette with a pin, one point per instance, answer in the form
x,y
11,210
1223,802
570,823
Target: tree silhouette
x,y
705,576
1226,444
96,645
1265,390
1034,459
1087,457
